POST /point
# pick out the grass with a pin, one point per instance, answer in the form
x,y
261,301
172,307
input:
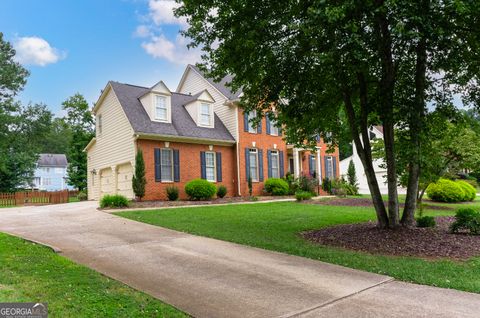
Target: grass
x,y
276,226
33,273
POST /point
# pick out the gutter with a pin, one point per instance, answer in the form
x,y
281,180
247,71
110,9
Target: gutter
x,y
193,140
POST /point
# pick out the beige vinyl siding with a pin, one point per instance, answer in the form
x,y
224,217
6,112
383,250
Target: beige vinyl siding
x,y
195,83
113,148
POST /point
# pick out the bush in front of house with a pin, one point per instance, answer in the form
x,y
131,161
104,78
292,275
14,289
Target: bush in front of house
x,y
426,221
301,195
445,190
468,220
468,189
276,186
172,193
308,183
327,185
200,189
221,191
82,196
341,187
292,183
113,201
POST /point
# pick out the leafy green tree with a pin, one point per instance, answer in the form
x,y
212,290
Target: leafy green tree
x,y
80,121
139,181
352,174
374,59
21,128
57,139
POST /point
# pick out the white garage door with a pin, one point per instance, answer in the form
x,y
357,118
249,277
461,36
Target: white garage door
x,y
106,182
125,173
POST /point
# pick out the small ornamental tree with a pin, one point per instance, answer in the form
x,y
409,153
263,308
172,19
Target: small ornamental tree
x,y
352,174
138,180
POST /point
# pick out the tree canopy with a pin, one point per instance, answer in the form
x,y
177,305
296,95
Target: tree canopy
x,y
380,61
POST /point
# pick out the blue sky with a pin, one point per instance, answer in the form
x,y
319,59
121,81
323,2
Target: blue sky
x,y
77,46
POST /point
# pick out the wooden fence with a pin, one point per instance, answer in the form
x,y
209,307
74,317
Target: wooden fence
x,y
35,198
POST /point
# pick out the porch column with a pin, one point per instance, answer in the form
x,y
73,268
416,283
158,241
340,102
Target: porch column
x,y
296,163
115,179
319,166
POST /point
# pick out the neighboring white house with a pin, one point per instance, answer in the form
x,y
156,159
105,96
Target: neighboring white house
x,y
381,173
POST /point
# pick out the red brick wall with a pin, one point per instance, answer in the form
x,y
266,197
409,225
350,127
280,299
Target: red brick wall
x,y
262,141
189,167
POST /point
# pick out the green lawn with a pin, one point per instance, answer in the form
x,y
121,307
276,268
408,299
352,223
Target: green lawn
x,y
276,226
33,273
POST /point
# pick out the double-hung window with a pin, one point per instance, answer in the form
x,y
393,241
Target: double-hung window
x,y
210,166
253,158
166,164
274,128
329,167
161,108
275,165
251,116
205,115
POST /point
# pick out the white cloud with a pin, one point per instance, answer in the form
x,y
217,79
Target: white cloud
x,y
157,43
173,51
161,12
142,31
36,51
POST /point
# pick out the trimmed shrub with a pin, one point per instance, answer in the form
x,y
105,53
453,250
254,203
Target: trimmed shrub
x,y
426,221
200,189
172,193
221,191
303,195
276,186
82,196
468,189
445,190
466,219
113,201
307,183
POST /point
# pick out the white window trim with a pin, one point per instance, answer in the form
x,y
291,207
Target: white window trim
x,y
161,166
99,124
214,166
167,106
275,153
330,167
250,151
251,115
274,130
210,113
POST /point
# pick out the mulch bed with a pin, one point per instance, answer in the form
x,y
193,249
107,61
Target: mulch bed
x,y
366,202
420,242
161,204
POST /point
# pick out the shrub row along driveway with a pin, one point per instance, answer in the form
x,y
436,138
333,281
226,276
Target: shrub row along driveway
x,y
211,278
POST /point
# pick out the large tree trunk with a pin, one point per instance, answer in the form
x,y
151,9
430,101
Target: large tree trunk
x,y
417,116
386,96
364,151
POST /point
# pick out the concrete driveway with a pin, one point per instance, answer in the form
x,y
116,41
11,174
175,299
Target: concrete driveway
x,y
211,278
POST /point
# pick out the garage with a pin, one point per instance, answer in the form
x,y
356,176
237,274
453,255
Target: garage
x,y
106,182
124,179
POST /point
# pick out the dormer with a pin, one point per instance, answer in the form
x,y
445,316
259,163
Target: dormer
x,y
158,103
200,109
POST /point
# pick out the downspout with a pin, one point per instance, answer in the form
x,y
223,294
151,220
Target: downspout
x,y
238,152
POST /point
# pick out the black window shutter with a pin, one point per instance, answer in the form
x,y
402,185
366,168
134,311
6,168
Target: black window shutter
x,y
176,165
247,163
260,165
268,124
245,121
269,162
158,172
334,173
325,159
203,165
259,127
219,166
310,165
281,163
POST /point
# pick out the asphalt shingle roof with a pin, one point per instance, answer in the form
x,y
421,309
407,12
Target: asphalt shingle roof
x,y
222,85
52,160
182,123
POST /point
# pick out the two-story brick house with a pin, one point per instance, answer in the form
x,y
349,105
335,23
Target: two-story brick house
x,y
199,131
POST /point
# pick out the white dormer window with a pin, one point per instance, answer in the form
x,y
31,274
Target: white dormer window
x,y
161,108
205,114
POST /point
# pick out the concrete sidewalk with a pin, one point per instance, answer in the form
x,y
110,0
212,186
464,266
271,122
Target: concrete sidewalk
x,y
211,278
